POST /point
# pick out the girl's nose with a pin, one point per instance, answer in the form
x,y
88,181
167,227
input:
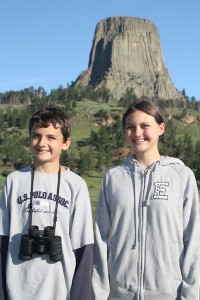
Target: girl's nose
x,y
138,131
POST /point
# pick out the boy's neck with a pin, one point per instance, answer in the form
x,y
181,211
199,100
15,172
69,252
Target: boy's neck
x,y
46,168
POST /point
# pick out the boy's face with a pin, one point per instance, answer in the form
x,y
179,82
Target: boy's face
x,y
47,144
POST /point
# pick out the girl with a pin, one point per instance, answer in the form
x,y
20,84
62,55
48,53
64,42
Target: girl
x,y
147,219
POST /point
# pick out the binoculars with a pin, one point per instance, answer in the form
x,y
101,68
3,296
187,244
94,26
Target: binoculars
x,y
34,243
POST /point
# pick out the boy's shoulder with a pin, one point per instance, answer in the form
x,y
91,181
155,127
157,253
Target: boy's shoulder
x,y
25,172
22,172
73,177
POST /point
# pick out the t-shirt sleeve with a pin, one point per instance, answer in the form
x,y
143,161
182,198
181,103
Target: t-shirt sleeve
x,y
4,211
82,281
81,232
4,240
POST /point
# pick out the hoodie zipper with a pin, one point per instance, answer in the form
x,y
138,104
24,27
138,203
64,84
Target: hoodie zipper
x,y
141,227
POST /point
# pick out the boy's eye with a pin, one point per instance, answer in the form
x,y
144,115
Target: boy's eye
x,y
34,136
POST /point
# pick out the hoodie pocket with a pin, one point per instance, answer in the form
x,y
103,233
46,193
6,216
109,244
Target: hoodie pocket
x,y
175,257
123,269
161,272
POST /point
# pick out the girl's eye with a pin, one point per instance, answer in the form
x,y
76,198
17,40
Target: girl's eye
x,y
129,128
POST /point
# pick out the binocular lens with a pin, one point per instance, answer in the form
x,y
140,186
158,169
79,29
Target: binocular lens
x,y
34,231
55,248
26,247
49,231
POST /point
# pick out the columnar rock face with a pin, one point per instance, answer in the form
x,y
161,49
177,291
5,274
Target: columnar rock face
x,y
126,54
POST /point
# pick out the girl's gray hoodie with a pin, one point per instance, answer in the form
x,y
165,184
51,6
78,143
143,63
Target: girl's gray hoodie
x,y
147,233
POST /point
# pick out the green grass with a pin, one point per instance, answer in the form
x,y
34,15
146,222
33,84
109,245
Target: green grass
x,y
87,107
191,129
2,179
94,184
81,128
83,122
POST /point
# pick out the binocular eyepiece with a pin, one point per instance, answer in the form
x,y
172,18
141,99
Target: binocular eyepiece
x,y
34,243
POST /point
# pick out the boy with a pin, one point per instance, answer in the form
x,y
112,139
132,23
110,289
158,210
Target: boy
x,y
51,199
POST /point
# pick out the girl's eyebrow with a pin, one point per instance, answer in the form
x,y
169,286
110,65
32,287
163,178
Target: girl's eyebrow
x,y
130,123
133,124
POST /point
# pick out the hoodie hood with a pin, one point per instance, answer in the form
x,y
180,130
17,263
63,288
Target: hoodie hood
x,y
151,174
131,161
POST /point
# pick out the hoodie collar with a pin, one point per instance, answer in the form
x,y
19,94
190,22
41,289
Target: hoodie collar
x,y
131,162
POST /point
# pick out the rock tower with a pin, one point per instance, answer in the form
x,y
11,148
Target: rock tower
x,y
126,54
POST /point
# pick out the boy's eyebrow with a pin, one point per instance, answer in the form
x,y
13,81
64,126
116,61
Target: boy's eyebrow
x,y
51,134
38,133
34,132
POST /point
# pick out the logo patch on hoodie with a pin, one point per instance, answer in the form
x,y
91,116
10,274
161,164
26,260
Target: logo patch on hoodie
x,y
160,191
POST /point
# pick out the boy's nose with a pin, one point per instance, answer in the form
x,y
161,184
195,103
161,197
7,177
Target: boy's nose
x,y
42,141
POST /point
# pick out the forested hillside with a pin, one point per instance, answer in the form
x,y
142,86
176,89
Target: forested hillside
x,y
97,137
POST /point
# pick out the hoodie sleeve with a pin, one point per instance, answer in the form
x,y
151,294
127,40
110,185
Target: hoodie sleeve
x,y
100,281
191,240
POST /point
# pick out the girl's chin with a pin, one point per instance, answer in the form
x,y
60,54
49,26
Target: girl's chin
x,y
139,146
139,149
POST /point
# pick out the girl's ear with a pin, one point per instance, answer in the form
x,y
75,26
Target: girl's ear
x,y
161,129
66,144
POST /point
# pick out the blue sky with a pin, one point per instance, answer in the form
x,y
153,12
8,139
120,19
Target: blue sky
x,y
47,42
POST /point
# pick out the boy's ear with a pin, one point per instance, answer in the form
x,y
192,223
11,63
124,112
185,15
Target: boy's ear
x,y
66,144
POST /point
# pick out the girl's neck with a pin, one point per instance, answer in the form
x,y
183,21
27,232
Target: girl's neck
x,y
146,161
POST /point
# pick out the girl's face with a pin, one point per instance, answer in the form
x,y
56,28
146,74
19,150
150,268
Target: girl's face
x,y
47,144
142,133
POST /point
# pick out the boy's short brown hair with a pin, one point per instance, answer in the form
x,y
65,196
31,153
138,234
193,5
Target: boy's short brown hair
x,y
51,115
